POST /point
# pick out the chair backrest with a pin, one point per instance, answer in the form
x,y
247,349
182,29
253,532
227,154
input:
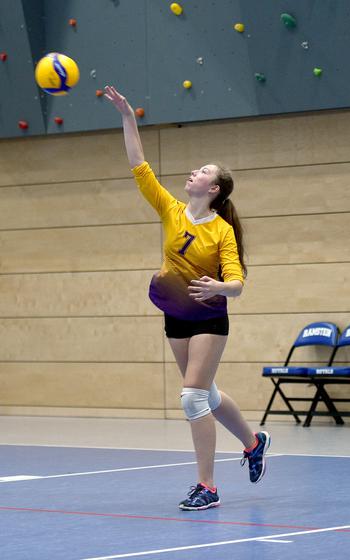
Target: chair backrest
x,y
315,334
344,339
318,334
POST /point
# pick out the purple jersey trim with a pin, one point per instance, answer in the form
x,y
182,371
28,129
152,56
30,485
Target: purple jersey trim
x,y
175,301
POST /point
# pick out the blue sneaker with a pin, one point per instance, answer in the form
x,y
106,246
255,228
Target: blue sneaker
x,y
256,457
200,497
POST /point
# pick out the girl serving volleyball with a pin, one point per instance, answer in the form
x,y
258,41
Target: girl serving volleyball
x,y
203,265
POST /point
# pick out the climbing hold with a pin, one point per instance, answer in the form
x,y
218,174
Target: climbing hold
x,y
140,112
58,120
99,93
23,125
187,84
3,56
318,71
176,8
200,60
239,27
72,22
260,77
305,44
93,73
288,20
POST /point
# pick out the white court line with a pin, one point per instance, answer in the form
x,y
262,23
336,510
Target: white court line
x,y
71,446
19,478
221,543
314,455
274,540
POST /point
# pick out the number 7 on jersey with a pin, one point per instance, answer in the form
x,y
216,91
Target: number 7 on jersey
x,y
191,238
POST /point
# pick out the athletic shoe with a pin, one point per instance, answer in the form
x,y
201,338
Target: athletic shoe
x,y
200,497
255,456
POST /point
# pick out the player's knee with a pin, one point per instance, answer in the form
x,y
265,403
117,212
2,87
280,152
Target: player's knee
x,y
214,399
195,402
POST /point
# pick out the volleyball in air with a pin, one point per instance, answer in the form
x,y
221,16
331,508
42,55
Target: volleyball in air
x,y
56,73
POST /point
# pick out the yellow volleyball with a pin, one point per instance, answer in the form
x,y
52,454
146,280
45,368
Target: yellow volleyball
x,y
56,73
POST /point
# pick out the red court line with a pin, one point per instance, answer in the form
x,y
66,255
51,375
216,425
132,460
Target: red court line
x,y
154,518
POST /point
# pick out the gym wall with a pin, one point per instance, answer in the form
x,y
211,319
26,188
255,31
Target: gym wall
x,y
79,246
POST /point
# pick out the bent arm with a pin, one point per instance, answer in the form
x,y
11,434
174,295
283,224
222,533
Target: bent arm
x,y
231,289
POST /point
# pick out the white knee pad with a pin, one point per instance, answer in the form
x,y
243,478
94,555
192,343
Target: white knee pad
x,y
214,397
195,402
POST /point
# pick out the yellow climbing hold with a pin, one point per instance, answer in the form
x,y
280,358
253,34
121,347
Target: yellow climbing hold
x,y
239,27
176,8
187,84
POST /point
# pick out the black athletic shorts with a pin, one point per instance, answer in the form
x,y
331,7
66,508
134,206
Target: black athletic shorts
x,y
177,328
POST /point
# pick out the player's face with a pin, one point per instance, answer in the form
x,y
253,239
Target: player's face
x,y
202,181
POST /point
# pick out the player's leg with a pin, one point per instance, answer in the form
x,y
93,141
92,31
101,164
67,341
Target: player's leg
x,y
204,353
229,415
179,347
256,445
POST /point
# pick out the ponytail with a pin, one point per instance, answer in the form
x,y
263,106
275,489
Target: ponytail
x,y
229,213
226,209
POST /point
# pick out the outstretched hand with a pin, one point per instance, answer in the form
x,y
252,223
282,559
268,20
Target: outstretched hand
x,y
204,288
118,100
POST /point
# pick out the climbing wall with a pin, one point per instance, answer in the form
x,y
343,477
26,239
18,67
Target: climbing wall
x,y
195,60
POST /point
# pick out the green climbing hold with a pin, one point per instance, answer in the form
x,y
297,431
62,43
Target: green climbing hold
x,y
260,77
318,71
288,20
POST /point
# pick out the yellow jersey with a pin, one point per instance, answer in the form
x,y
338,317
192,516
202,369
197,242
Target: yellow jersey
x,y
192,249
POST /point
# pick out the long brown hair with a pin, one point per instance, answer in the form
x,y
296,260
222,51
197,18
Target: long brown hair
x,y
226,209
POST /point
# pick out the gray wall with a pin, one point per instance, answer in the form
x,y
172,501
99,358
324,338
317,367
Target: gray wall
x,y
147,52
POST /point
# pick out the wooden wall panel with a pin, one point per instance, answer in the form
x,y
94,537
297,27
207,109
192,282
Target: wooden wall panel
x,y
76,294
119,385
71,157
81,249
117,339
258,143
268,338
84,203
294,289
298,239
308,189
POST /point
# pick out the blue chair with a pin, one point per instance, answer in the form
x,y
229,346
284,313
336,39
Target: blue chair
x,y
314,334
344,340
330,375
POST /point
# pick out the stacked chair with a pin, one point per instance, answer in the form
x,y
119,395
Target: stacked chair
x,y
314,334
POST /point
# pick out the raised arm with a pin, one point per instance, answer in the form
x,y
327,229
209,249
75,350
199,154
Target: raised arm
x,y
132,139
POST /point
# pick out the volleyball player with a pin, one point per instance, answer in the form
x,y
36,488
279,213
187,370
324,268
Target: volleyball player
x,y
203,265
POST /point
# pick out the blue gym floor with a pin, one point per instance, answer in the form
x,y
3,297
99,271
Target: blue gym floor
x,y
64,503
